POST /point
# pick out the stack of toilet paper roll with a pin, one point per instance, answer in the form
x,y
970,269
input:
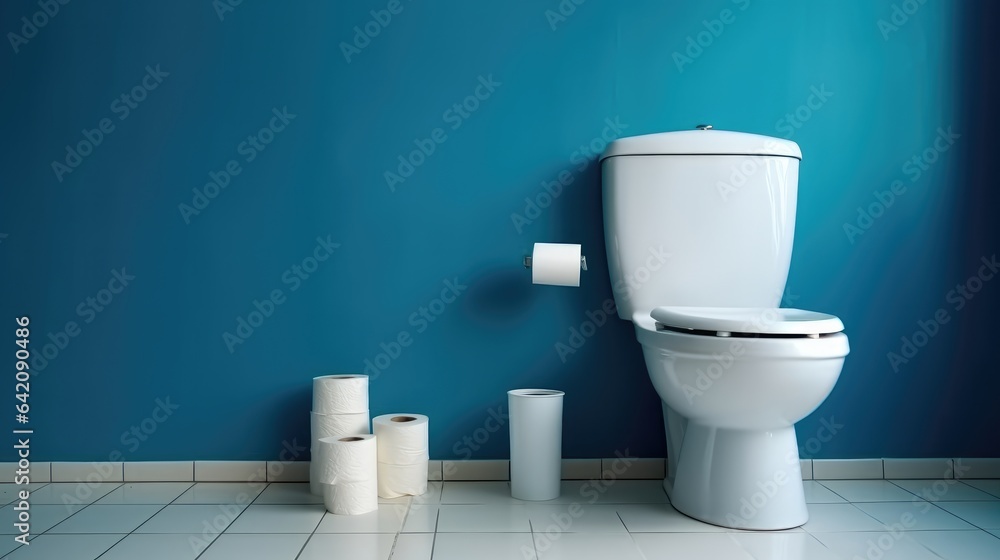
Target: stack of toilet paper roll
x,y
347,473
340,408
402,454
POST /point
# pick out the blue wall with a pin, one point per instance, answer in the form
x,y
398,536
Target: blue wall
x,y
330,121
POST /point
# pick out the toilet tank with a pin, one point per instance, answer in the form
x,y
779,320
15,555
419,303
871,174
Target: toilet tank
x,y
699,218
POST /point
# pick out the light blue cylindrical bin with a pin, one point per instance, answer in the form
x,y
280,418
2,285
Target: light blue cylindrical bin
x,y
535,443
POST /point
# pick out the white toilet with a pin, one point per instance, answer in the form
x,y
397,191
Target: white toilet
x,y
734,371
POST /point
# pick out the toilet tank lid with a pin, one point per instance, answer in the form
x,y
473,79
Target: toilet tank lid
x,y
748,320
702,142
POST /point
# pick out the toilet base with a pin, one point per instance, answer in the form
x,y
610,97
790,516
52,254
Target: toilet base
x,y
739,479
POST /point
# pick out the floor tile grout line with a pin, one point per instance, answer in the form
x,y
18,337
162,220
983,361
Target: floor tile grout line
x,y
126,535
852,502
933,504
253,502
402,523
306,543
434,540
231,523
170,503
885,527
731,535
437,522
85,506
130,533
110,547
629,533
821,543
820,482
966,520
974,527
955,515
992,498
907,490
531,535
997,495
313,533
95,502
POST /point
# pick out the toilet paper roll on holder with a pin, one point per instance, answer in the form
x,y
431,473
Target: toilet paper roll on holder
x,y
583,262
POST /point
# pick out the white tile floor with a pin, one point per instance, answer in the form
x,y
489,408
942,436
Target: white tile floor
x,y
623,520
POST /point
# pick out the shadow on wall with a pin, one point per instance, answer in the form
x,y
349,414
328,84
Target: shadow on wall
x,y
499,297
977,230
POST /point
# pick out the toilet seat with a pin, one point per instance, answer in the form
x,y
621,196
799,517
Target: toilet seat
x,y
758,322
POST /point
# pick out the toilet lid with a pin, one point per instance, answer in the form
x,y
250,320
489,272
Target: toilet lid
x,y
787,321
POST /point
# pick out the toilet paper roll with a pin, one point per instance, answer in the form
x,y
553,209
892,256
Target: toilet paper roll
x,y
402,438
556,264
332,425
402,480
347,459
351,498
340,394
315,488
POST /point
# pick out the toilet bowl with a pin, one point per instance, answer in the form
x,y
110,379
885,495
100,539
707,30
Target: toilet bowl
x,y
734,398
734,371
